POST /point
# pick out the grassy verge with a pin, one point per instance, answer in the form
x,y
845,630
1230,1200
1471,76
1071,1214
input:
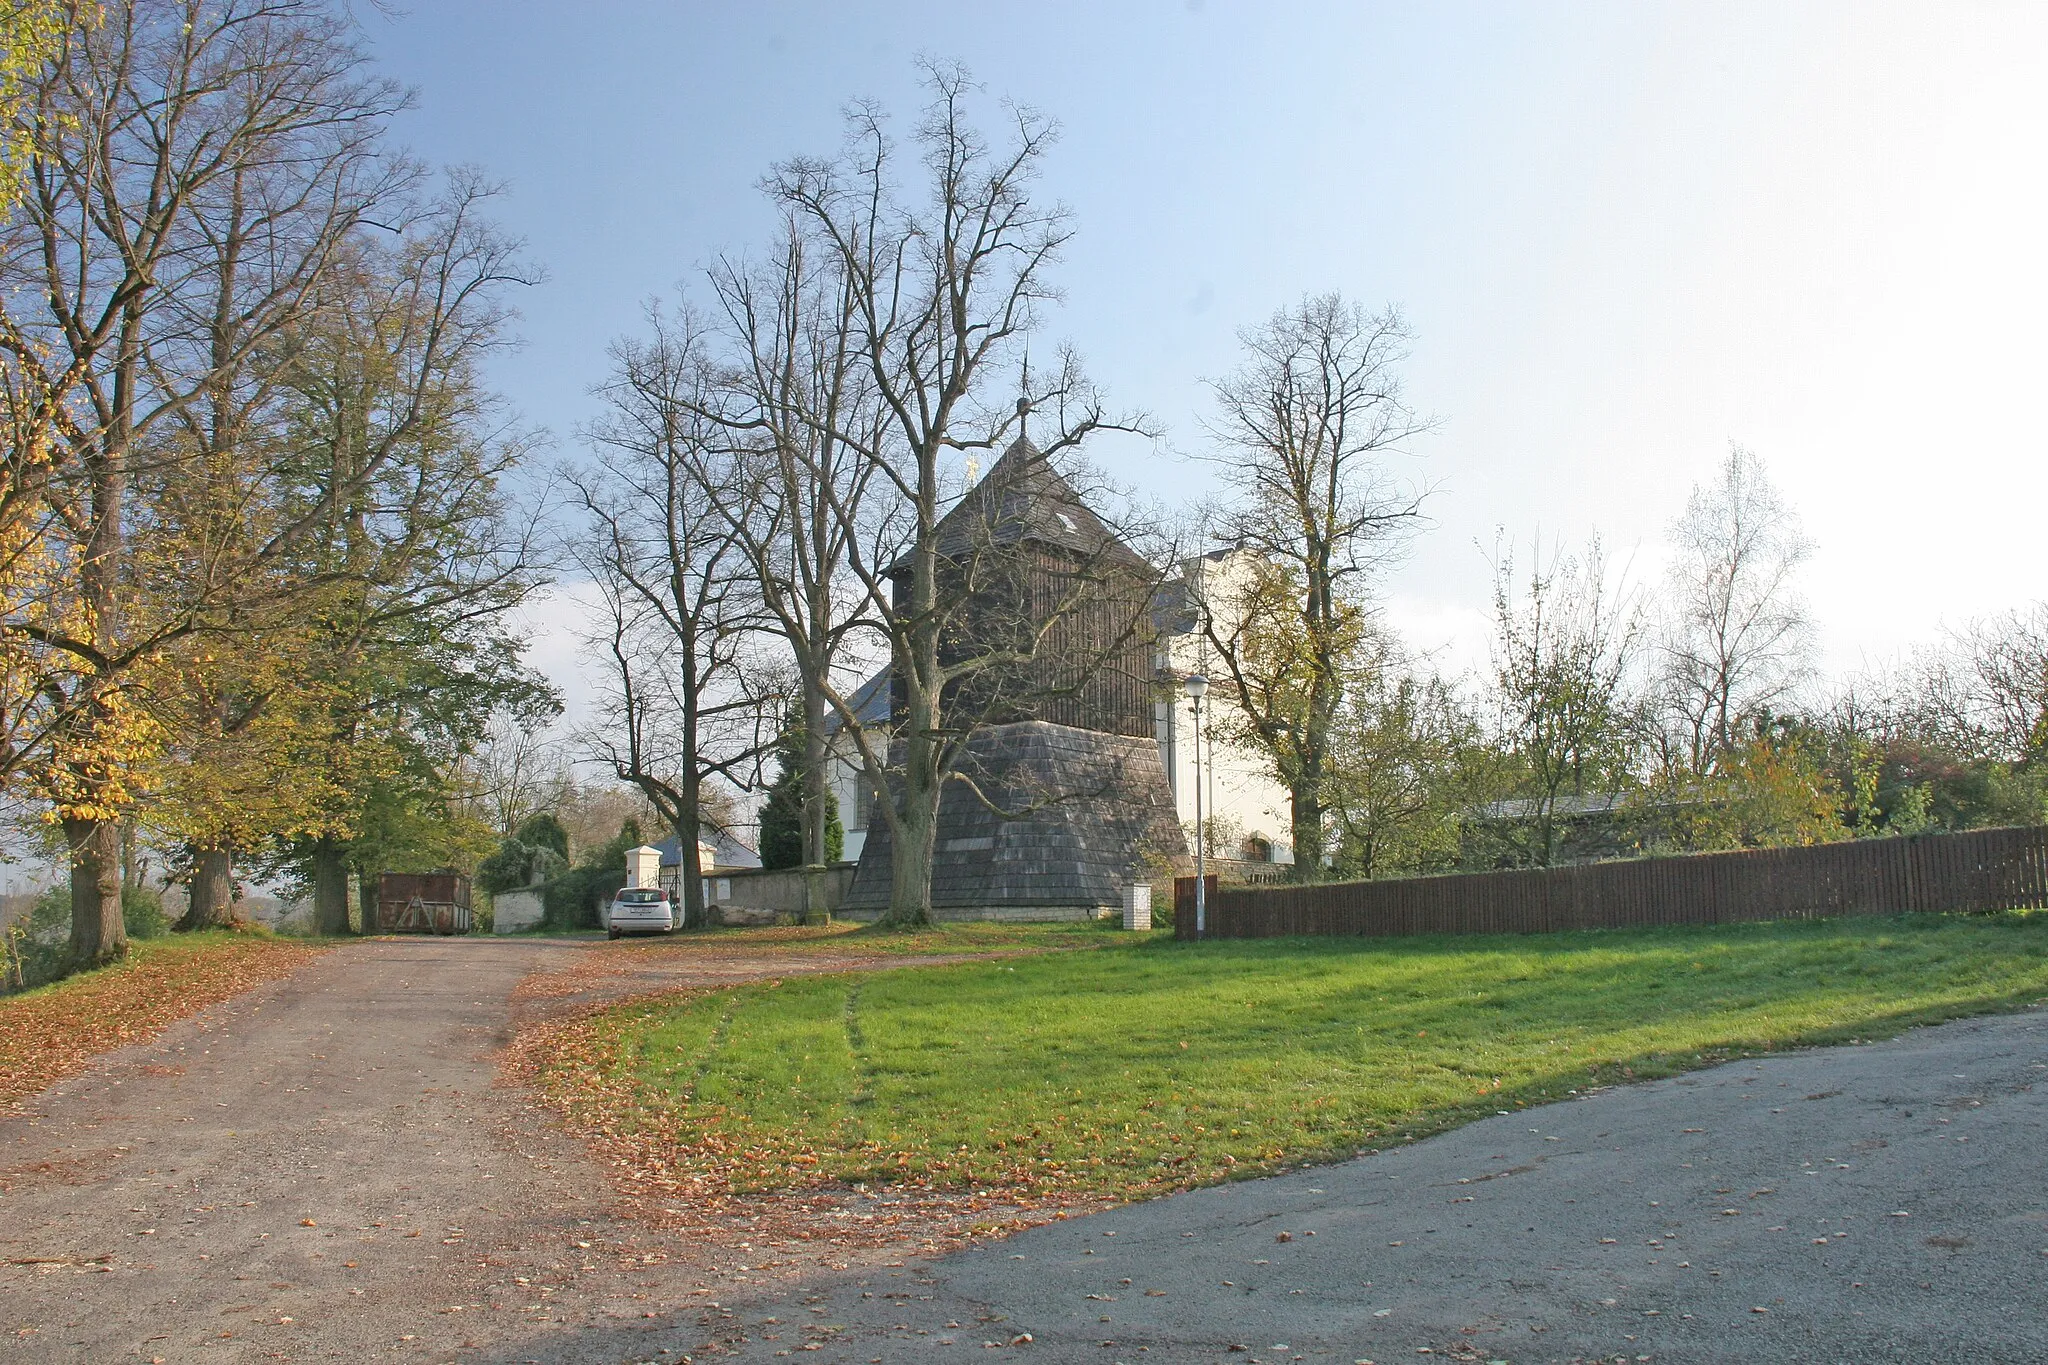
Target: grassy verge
x,y
1156,1065
55,1031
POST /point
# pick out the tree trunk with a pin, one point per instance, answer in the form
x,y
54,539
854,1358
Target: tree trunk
x,y
690,871
366,905
1306,809
330,889
816,794
912,840
98,933
914,830
213,891
131,860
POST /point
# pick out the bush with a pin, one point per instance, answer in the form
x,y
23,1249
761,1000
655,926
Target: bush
x,y
782,814
50,918
572,899
44,941
544,831
517,864
142,910
43,944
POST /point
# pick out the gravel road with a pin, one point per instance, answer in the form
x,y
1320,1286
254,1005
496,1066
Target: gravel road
x,y
326,1169
323,1169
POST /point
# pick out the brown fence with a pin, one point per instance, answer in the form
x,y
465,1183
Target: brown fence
x,y
1986,869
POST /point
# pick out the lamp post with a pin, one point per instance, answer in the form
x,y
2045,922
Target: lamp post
x,y
1197,687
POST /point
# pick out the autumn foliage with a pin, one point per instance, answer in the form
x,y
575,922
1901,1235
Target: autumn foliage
x,y
57,1032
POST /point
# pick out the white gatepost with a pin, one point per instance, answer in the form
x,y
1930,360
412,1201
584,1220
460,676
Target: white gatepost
x,y
1138,905
643,866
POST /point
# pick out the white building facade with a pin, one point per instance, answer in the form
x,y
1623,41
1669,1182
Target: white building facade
x,y
1244,806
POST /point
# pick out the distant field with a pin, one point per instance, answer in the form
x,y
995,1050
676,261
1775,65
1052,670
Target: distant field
x,y
1152,1065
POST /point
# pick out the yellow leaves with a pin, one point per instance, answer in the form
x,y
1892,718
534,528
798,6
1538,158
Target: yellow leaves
x,y
101,763
30,32
1774,790
256,753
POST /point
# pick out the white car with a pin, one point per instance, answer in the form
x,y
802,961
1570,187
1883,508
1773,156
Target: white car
x,y
640,910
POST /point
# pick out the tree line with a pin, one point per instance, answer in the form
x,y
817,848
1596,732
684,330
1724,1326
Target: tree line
x,y
780,448
259,536
1613,718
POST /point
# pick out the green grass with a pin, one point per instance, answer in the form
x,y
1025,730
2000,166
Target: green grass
x,y
1159,1065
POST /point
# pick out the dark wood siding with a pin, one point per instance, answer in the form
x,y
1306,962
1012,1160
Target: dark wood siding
x,y
1083,631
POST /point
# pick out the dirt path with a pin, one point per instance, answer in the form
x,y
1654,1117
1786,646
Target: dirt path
x,y
324,1168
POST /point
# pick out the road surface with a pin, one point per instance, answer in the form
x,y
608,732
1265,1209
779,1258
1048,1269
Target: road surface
x,y
325,1169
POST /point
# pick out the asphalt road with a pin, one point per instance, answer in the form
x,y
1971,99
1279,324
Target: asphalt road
x,y
1885,1202
324,1169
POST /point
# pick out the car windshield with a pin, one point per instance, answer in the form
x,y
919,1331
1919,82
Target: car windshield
x,y
642,897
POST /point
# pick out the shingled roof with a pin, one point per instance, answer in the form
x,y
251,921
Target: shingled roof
x,y
869,702
1023,499
1089,812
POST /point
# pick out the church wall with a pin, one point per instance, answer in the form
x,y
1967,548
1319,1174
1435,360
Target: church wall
x,y
1240,793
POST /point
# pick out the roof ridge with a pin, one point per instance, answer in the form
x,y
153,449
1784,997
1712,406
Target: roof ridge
x,y
1034,502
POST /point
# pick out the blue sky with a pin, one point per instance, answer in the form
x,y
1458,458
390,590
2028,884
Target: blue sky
x,y
1624,234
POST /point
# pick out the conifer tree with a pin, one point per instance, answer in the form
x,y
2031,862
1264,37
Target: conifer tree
x,y
782,814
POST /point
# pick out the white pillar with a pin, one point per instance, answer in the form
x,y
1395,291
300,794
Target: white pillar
x,y
1138,906
643,866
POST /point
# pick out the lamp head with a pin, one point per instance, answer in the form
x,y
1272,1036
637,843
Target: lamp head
x,y
1197,687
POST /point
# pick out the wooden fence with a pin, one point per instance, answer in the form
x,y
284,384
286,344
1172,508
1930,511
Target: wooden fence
x,y
1985,869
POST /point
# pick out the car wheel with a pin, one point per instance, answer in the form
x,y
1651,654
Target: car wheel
x,y
613,933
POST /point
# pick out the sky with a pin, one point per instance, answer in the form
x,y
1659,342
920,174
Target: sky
x,y
1624,235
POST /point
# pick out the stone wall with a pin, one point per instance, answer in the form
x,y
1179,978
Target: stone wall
x,y
760,896
512,911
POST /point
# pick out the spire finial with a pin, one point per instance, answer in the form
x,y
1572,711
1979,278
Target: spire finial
x,y
1024,398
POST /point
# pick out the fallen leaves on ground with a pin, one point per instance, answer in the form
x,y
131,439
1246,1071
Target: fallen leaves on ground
x,y
49,1034
664,966
711,1190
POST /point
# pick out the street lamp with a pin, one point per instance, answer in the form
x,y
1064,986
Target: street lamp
x,y
1197,687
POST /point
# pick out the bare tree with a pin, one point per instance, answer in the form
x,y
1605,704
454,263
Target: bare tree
x,y
2003,684
517,771
1306,429
795,379
1738,640
936,286
1565,643
692,702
